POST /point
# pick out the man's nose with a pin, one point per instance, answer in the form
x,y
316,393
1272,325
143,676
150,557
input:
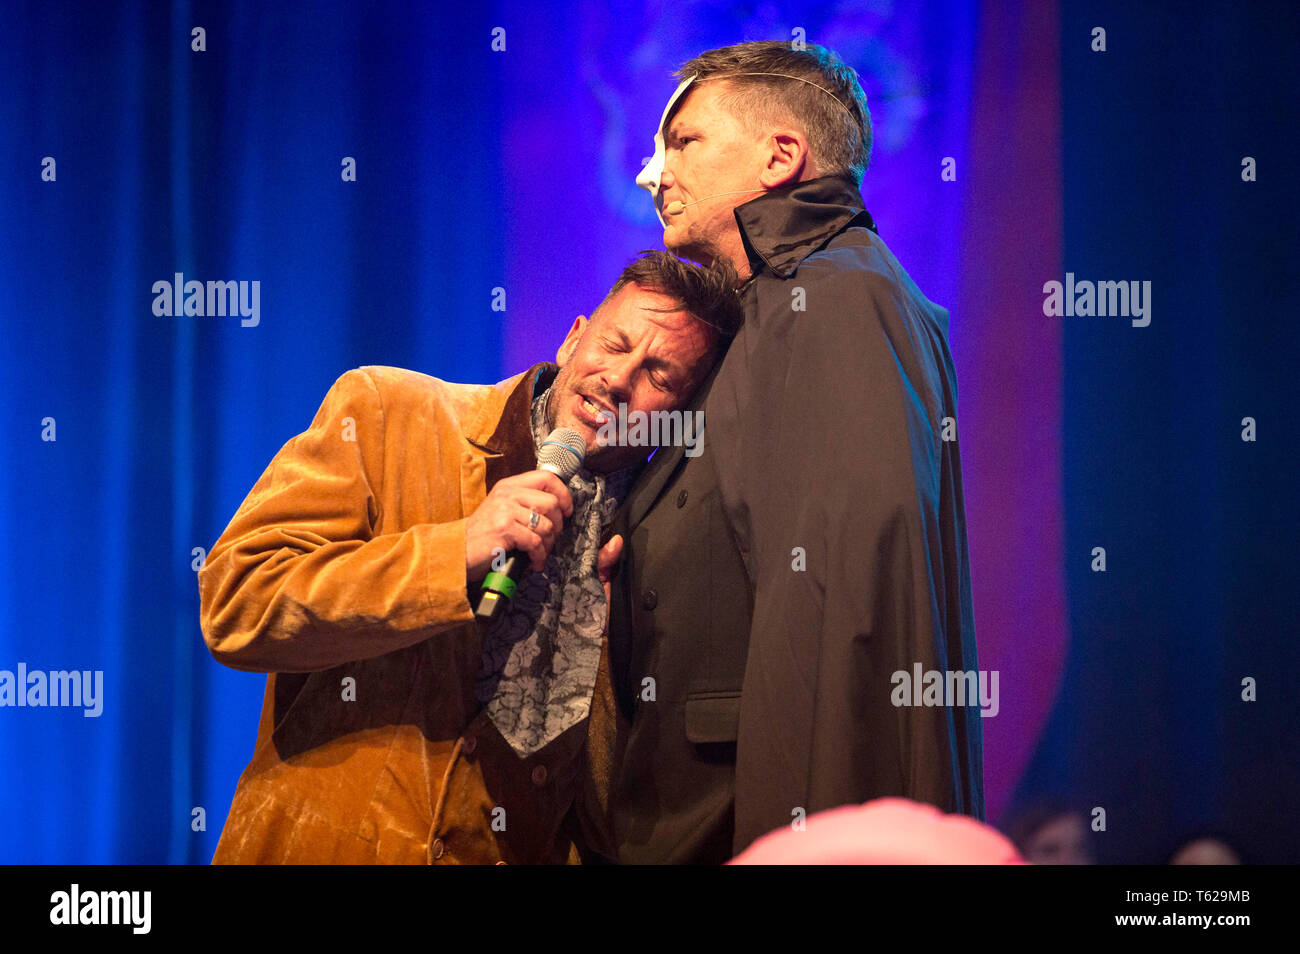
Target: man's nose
x,y
618,378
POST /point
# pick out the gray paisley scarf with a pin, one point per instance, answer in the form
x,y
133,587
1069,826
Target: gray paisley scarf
x,y
540,656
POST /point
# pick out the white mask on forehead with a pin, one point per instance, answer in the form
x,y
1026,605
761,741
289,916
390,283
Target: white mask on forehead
x,y
654,169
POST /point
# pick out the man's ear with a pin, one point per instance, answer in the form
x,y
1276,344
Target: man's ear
x,y
570,343
787,159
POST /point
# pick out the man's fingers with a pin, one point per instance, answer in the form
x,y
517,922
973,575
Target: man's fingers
x,y
544,480
545,527
531,545
542,502
608,557
606,560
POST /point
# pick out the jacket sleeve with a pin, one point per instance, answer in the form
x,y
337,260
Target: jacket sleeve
x,y
299,581
856,546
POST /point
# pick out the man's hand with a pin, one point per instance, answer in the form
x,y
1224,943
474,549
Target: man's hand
x,y
606,560
500,524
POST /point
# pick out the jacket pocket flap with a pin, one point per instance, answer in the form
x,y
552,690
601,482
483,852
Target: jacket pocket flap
x,y
714,718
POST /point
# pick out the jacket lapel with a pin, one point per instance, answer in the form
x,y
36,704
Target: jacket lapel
x,y
510,447
647,489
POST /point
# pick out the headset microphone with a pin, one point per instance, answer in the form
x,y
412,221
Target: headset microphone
x,y
677,207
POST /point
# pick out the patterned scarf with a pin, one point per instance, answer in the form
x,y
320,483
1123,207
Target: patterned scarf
x,y
540,656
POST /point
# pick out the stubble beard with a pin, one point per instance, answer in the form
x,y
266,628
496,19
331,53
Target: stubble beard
x,y
593,458
699,248
693,246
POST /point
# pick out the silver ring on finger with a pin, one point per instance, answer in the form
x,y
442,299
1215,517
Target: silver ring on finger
x,y
533,518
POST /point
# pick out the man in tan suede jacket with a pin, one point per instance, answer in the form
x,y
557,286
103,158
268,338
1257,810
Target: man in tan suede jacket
x,y
349,571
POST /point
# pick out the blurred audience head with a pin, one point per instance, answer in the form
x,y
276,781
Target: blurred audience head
x,y
885,831
1051,832
1204,849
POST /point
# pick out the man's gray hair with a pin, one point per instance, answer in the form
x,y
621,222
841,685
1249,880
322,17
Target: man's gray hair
x,y
839,134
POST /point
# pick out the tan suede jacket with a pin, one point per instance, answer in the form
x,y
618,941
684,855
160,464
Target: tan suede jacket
x,y
342,575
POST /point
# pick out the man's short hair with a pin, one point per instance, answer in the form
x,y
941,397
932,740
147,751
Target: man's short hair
x,y
839,135
707,292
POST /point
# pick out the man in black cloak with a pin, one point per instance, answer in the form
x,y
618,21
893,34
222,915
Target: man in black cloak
x,y
779,589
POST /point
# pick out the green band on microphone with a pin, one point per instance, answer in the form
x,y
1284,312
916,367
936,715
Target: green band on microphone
x,y
500,583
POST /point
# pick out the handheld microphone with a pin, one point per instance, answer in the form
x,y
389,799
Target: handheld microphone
x,y
677,207
562,454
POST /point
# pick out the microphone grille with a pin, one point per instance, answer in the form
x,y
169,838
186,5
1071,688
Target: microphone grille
x,y
562,453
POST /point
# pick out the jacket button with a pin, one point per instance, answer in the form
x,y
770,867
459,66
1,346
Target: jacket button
x,y
539,775
438,848
649,599
469,745
681,500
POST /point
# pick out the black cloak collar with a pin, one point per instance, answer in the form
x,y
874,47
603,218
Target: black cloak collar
x,y
783,227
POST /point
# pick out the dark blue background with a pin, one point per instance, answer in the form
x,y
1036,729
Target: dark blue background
x,y
479,170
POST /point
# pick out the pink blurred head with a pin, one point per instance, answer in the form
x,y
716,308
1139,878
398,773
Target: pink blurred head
x,y
886,831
